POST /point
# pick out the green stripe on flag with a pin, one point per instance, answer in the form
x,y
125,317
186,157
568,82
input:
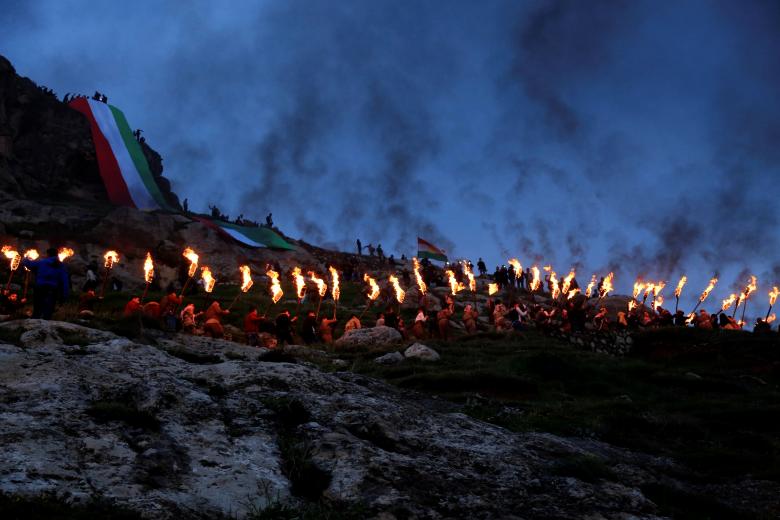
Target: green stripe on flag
x,y
432,256
263,235
138,157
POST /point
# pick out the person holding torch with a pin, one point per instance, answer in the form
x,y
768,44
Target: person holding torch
x,y
52,283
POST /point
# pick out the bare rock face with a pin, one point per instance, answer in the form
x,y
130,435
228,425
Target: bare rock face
x,y
88,413
369,337
420,351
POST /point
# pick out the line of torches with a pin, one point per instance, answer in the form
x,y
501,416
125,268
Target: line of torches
x,y
558,289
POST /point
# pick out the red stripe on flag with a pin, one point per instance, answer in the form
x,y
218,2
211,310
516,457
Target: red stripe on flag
x,y
115,185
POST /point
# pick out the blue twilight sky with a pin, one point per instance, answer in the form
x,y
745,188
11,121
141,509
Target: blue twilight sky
x,y
638,136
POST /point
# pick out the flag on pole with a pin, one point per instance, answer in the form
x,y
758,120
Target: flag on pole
x,y
427,250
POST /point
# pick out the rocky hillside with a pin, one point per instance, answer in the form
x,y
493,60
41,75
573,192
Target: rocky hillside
x,y
198,427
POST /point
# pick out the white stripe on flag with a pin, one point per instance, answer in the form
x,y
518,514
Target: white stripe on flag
x,y
135,185
241,238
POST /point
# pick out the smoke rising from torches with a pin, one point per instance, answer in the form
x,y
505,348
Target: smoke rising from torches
x,y
418,277
299,282
374,294
322,287
208,280
335,290
515,263
190,255
110,258
64,252
728,302
400,294
591,285
536,280
470,275
276,287
567,282
455,286
492,289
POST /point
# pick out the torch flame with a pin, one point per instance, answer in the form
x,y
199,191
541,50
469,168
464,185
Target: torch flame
x,y
631,305
772,317
208,280
547,268
607,287
708,290
246,278
572,293
335,291
111,258
399,293
455,286
374,294
32,254
751,287
13,256
64,252
728,302
536,279
300,283
190,255
680,286
555,290
322,287
148,268
659,300
470,275
591,285
567,282
418,276
514,262
773,294
492,288
276,288
639,286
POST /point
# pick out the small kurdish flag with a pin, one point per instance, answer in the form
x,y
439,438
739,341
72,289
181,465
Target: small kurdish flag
x,y
427,250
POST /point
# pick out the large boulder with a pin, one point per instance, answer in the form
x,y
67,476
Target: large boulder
x,y
369,337
391,358
420,351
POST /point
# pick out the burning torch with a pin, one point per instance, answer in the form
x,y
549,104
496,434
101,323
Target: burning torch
x,y
276,289
31,254
606,287
773,294
400,294
472,281
246,283
190,255
322,290
421,287
373,293
208,279
749,289
335,290
148,273
111,258
14,259
678,291
300,286
705,293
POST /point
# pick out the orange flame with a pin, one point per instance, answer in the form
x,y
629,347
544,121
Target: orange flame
x,y
572,293
632,305
555,290
708,290
659,300
455,286
536,279
374,294
492,288
728,302
514,262
111,258
400,294
607,287
691,317
470,275
639,286
591,285
773,294
322,287
148,268
246,278
547,268
680,286
208,280
64,252
13,256
772,317
276,288
32,254
567,282
335,291
299,281
751,287
418,276
190,255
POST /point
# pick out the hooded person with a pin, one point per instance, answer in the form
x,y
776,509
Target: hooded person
x,y
188,318
213,326
352,324
132,307
52,283
443,321
252,327
326,329
418,329
470,316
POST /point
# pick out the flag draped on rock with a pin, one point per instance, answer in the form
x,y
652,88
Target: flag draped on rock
x,y
248,235
123,166
427,250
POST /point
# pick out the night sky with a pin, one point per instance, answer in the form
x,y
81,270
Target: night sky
x,y
635,136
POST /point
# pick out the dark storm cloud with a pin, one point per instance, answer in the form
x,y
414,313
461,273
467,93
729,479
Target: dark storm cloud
x,y
634,136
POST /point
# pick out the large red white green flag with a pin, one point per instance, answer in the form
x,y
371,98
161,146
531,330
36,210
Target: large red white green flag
x,y
123,166
427,250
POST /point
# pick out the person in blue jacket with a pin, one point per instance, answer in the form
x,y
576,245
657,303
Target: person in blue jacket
x,y
52,283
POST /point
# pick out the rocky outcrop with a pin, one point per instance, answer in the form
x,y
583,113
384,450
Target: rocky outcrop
x,y
369,337
420,351
89,414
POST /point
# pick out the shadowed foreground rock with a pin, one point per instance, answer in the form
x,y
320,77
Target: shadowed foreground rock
x,y
178,433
